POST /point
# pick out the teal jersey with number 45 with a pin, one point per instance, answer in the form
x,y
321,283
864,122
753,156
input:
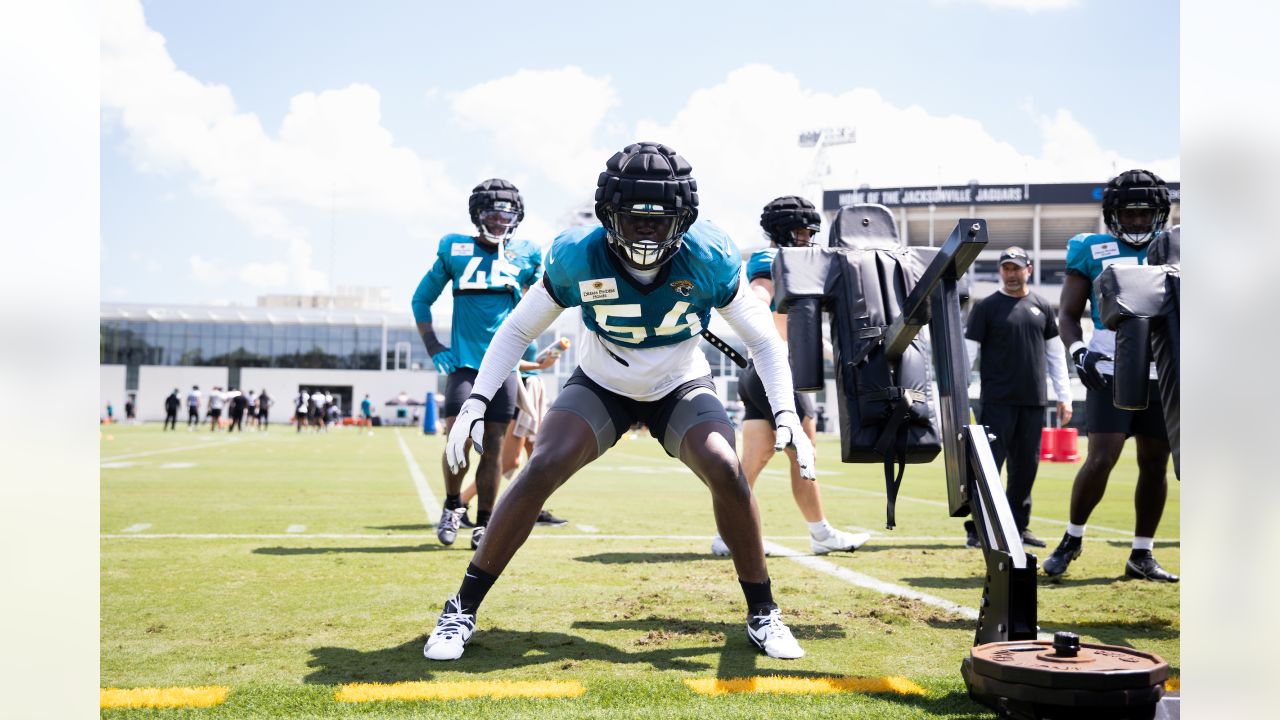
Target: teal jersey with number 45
x,y
581,270
485,287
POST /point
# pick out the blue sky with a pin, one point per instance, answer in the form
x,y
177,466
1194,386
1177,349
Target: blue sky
x,y
253,147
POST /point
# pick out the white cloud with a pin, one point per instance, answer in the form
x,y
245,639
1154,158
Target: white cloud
x,y
209,273
1031,6
526,114
331,147
265,275
741,137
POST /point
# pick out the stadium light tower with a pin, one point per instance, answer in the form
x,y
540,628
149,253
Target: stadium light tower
x,y
820,140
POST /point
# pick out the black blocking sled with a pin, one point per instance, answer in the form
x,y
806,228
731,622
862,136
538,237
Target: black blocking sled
x,y
903,399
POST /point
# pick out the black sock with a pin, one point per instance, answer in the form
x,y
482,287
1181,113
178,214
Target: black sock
x,y
759,596
452,502
475,585
482,517
1136,554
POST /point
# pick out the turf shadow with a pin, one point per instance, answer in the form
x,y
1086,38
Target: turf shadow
x,y
493,649
425,547
637,558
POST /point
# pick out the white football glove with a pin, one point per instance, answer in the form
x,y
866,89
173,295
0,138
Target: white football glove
x,y
468,424
789,433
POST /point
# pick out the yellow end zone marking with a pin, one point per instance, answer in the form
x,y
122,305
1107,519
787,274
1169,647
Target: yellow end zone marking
x,y
367,692
798,685
206,696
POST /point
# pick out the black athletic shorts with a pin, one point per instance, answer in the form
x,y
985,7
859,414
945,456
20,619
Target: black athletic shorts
x,y
458,388
755,401
1102,416
668,418
215,413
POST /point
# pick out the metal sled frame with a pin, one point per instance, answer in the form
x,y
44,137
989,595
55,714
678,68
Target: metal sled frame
x,y
1008,607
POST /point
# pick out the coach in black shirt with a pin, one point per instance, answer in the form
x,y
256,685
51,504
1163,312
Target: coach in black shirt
x,y
1015,329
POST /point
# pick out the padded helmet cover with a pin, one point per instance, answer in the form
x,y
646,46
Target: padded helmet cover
x,y
787,213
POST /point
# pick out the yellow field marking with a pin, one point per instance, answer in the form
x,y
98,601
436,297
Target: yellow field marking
x,y
1173,684
206,696
366,692
798,685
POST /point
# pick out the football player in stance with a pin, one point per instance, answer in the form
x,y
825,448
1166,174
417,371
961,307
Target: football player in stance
x,y
488,272
1135,207
646,283
789,222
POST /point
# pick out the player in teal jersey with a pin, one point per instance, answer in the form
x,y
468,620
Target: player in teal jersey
x,y
1135,207
789,221
488,274
646,282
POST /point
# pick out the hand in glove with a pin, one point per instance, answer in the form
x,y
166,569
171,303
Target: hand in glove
x,y
445,362
469,424
790,434
1086,362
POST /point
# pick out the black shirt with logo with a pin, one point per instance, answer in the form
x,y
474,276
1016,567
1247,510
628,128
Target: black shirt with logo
x,y
1012,332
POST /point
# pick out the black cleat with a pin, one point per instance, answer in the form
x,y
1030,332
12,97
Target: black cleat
x,y
1143,566
477,534
546,519
971,535
1028,538
1067,550
465,520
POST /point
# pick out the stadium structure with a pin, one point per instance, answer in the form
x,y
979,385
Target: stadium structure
x,y
353,348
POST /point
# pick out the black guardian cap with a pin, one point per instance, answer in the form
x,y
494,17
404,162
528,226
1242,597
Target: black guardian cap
x,y
784,215
1136,190
646,198
496,209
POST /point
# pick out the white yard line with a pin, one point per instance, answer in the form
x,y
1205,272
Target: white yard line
x,y
139,527
430,504
885,540
868,582
201,446
296,529
588,528
874,493
941,504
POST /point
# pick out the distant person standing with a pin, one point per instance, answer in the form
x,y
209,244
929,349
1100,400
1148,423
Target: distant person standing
x,y
193,408
251,408
1017,335
264,409
235,410
366,411
111,413
301,408
216,401
130,413
171,405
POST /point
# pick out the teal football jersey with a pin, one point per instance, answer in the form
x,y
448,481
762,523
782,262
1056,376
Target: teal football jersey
x,y
760,265
1090,253
530,355
485,289
703,273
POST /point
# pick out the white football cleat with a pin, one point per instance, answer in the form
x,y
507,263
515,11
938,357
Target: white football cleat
x,y
838,540
453,630
770,634
718,548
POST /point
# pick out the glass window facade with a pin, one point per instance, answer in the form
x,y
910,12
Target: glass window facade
x,y
249,344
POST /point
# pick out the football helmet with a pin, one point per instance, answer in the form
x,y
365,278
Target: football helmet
x,y
790,221
1135,206
496,209
646,198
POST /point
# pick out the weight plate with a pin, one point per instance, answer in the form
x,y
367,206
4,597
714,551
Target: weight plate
x,y
1095,668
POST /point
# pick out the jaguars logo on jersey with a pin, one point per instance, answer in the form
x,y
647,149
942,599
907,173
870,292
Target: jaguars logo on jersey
x,y
683,287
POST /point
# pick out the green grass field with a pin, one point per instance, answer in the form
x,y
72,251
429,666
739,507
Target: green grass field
x,y
283,566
